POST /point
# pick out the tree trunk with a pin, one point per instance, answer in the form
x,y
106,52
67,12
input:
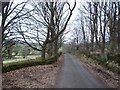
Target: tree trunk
x,y
0,39
91,28
51,49
56,47
118,28
83,32
9,54
77,47
103,47
92,41
95,24
104,30
112,23
43,51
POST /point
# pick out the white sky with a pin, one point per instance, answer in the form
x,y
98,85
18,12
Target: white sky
x,y
0,19
72,20
74,16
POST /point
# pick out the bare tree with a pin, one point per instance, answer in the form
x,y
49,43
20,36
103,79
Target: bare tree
x,y
0,36
11,14
49,23
118,27
76,37
91,27
112,21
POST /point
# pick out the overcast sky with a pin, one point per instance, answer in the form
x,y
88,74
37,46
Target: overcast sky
x,y
73,23
72,20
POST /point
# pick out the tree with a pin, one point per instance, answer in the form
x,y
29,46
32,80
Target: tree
x,y
118,27
25,51
76,38
11,14
0,34
95,22
91,27
49,25
8,47
102,17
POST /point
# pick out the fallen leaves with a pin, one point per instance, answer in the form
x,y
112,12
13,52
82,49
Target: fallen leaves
x,y
111,79
42,76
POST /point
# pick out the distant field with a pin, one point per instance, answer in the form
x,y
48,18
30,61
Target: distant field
x,y
20,58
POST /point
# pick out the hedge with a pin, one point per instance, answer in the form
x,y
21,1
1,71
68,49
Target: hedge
x,y
28,63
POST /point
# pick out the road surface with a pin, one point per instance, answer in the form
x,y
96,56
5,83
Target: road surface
x,y
74,75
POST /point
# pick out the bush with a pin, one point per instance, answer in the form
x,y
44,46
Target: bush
x,y
52,59
87,54
114,67
112,48
25,52
111,61
101,58
21,64
114,57
26,63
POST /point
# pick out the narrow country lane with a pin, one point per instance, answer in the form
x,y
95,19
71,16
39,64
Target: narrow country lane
x,y
74,75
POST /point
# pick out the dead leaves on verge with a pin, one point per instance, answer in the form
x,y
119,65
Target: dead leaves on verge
x,y
111,79
42,76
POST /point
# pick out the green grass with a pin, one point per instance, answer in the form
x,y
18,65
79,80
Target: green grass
x,y
20,58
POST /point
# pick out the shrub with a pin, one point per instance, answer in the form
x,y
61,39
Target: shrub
x,y
31,62
21,64
114,67
25,52
114,57
87,54
101,58
112,48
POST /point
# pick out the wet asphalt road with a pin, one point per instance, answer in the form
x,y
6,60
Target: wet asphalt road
x,y
74,75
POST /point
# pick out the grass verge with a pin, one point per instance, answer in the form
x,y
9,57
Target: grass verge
x,y
27,63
